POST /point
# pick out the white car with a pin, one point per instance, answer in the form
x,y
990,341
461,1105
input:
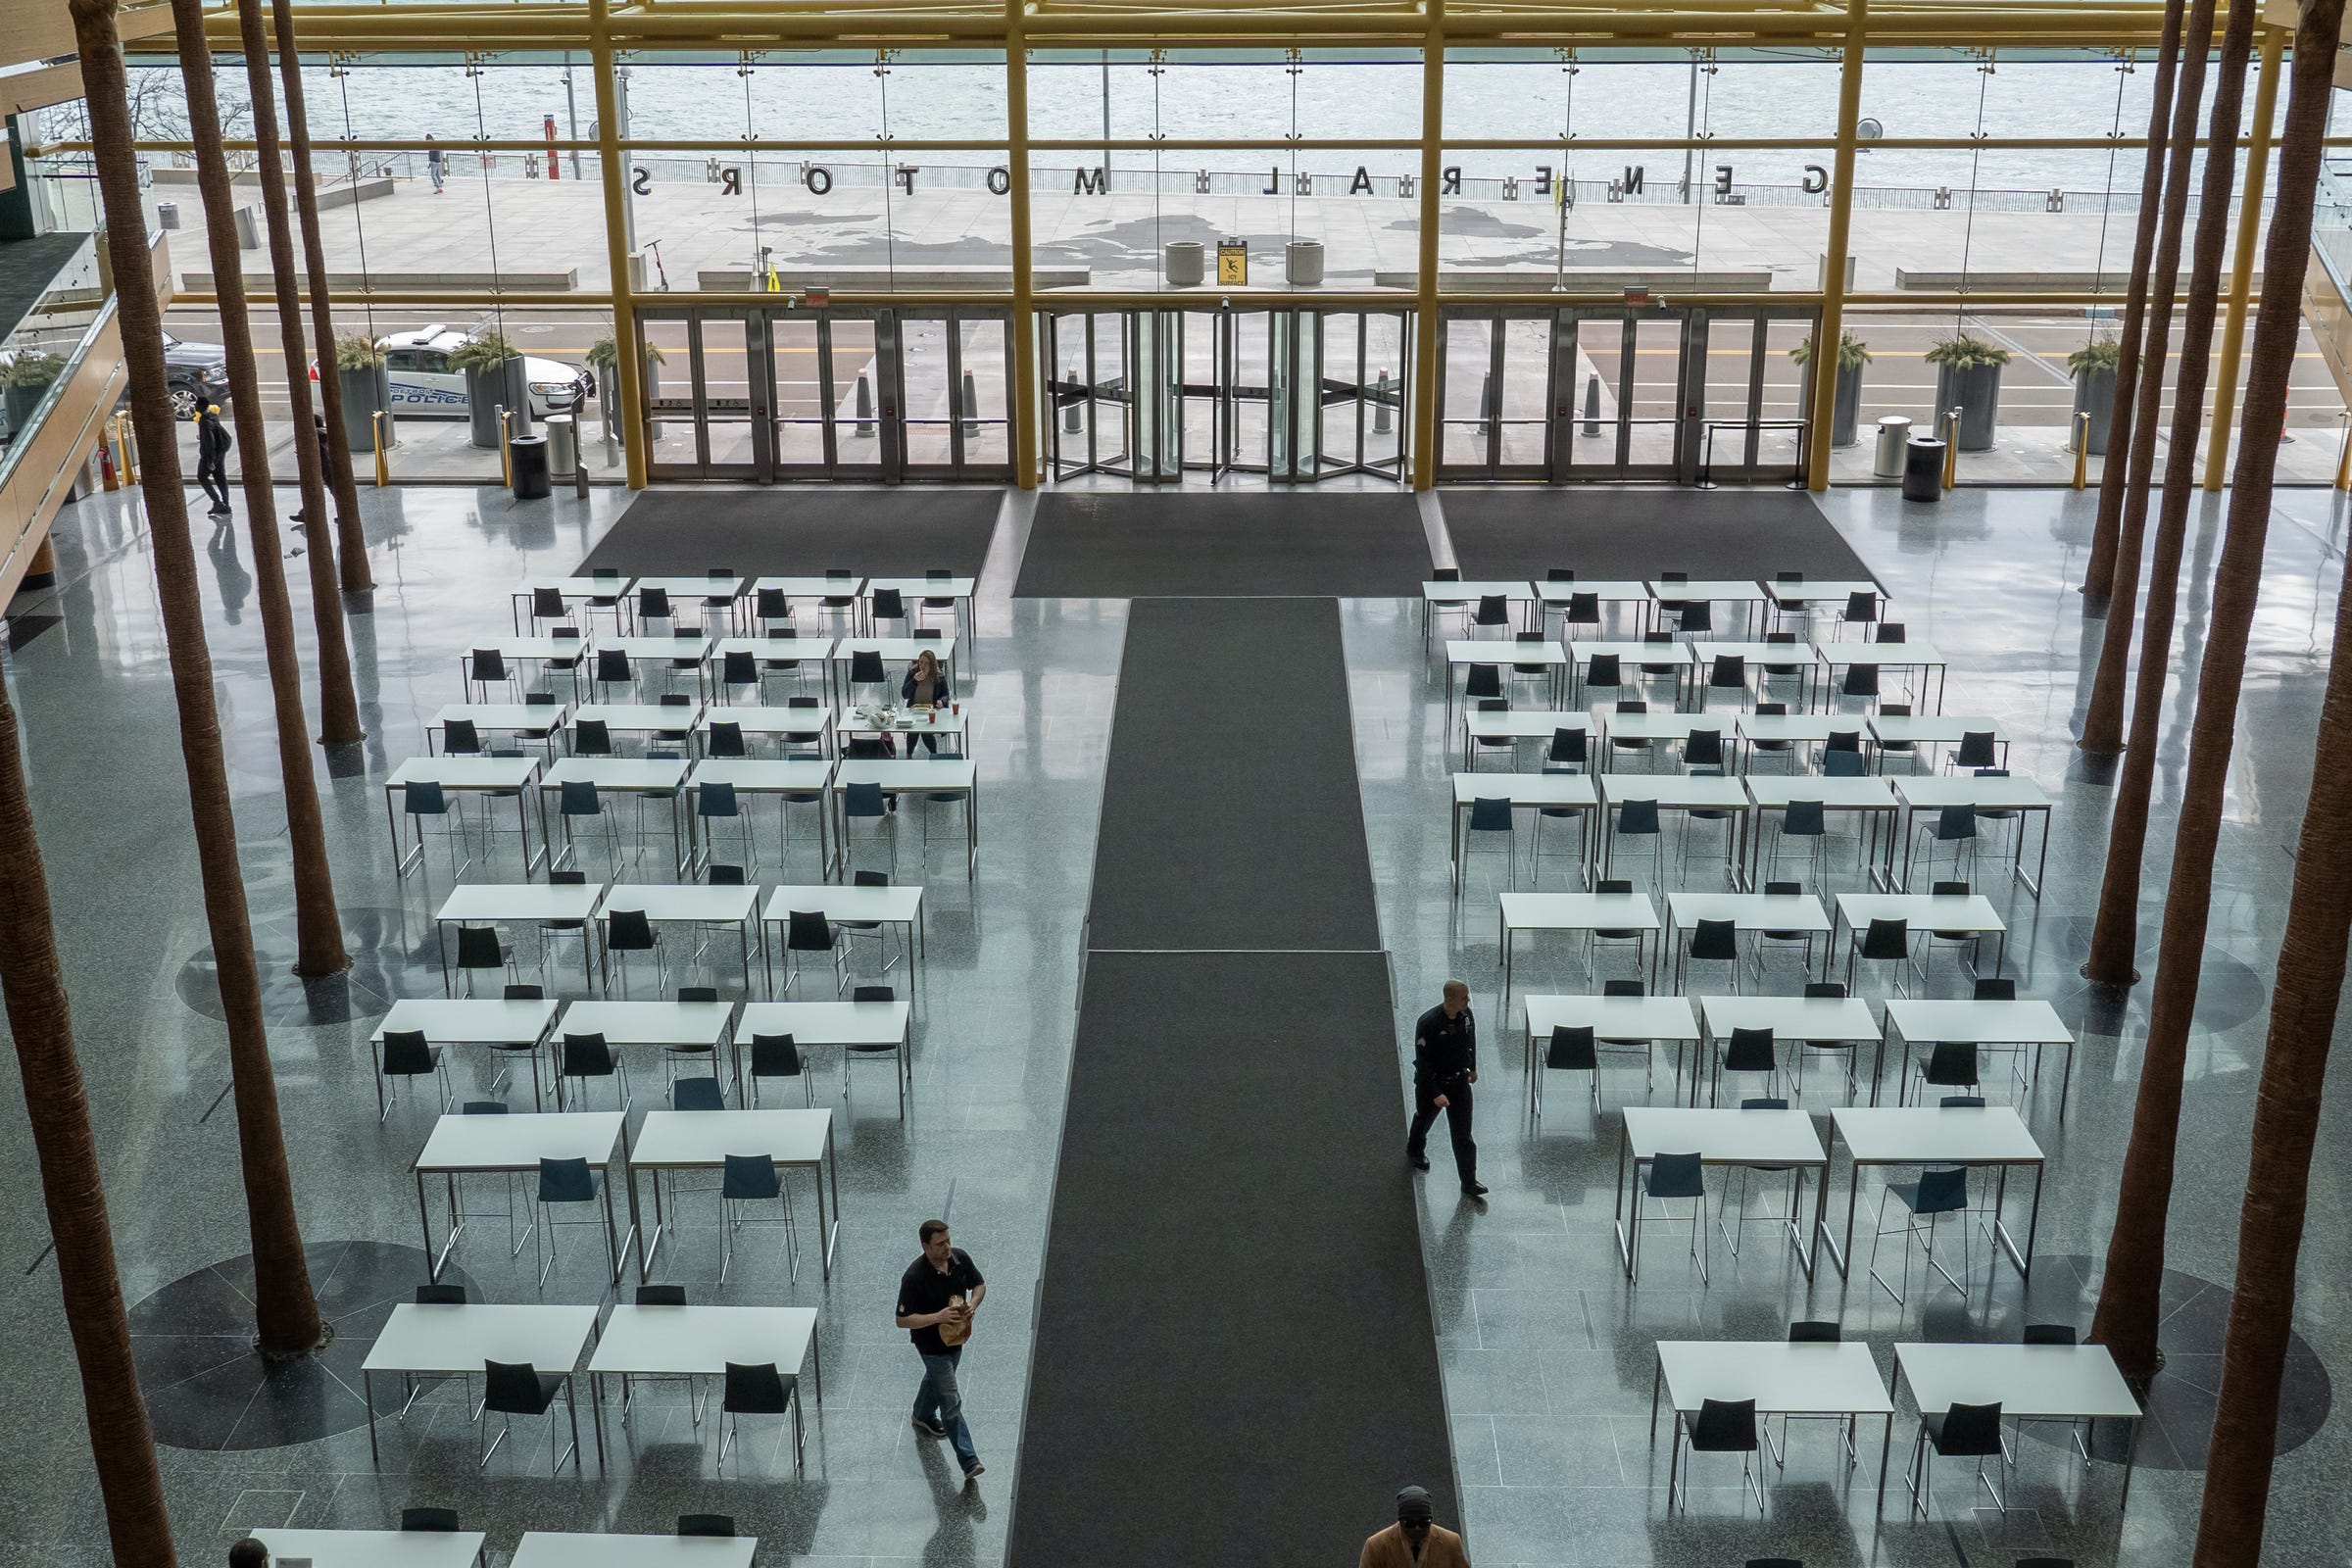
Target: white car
x,y
425,382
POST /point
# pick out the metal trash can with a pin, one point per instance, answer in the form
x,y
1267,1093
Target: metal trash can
x,y
1187,262
167,214
562,445
1923,469
248,230
526,456
1893,431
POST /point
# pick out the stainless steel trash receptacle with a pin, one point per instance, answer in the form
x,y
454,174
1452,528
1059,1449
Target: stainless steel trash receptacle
x,y
1893,431
562,445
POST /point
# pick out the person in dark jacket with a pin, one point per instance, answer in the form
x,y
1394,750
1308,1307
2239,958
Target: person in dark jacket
x,y
924,687
1445,1066
212,454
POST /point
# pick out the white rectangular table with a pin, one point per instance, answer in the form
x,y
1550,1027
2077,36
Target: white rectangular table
x,y
489,1021
814,585
486,776
1630,657
375,1548
1832,1020
688,903
702,1140
512,1144
688,594
1868,798
1525,791
455,1341
1677,792
550,1548
698,1341
2027,1021
1941,1135
1462,653
2050,1382
1435,596
1606,591
1748,913
1925,657
1706,591
912,591
499,903
769,721
1573,911
649,719
1971,913
1928,792
1653,1021
1934,729
583,589
801,780
656,778
1788,729
770,649
844,1026
1784,1139
911,775
897,653
1516,724
699,1028
943,724
898,904
1810,1378
536,721
570,653
1654,726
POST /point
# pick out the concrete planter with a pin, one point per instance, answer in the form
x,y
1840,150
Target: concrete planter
x,y
486,391
2095,395
1977,393
1302,263
365,393
1187,262
1847,411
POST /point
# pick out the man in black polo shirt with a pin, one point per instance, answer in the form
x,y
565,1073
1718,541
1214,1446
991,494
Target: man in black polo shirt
x,y
1445,1066
942,1289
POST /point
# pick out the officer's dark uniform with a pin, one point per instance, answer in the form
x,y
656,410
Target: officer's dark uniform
x,y
1444,1055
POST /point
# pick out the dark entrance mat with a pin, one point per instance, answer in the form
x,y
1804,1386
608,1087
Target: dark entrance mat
x,y
1637,533
788,531
1121,545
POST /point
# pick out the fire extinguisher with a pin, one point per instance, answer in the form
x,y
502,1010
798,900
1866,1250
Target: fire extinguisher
x,y
105,466
553,169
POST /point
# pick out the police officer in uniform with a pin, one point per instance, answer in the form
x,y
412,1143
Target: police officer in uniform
x,y
1445,1066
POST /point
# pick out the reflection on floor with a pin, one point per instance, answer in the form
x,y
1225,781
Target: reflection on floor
x,y
1546,1350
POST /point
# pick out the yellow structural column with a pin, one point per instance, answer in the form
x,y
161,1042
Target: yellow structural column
x,y
1425,311
1024,288
2241,267
616,176
1832,328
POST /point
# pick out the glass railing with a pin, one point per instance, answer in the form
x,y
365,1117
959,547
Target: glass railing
x,y
2331,221
39,355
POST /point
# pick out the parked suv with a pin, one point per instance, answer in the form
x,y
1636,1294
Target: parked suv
x,y
193,371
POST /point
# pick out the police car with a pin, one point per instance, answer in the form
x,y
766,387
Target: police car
x,y
425,382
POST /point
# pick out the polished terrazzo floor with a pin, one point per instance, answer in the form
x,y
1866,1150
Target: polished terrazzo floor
x,y
1545,1348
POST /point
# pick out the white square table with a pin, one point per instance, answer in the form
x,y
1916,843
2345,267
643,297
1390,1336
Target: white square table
x,y
552,1548
499,903
1525,791
770,649
844,1026
524,721
1789,729
1809,1377
512,1144
1922,657
1832,1020
1573,911
375,1548
2055,1381
455,1341
897,653
2027,1021
1782,1139
1928,792
1462,653
582,589
912,591
897,904
1802,594
1654,726
1972,913
1708,591
486,776
702,1140
1677,792
943,724
1914,1136
698,1341
1465,595
1869,799
698,1027
799,780
1516,724
1631,657
1651,1021
501,1025
770,721
569,653
652,720
689,593
1749,913
1934,729
911,775
655,778
688,903
813,585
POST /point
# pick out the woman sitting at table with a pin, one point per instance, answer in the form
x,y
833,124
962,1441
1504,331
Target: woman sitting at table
x,y
925,686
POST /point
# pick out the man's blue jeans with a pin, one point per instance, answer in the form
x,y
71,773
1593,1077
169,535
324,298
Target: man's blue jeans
x,y
939,1403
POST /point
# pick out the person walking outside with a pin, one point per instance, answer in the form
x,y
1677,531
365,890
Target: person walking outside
x,y
1445,1066
435,165
1415,1540
212,454
938,1296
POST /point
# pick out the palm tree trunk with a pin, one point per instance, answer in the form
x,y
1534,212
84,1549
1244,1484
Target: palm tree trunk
x,y
2103,721
2115,937
287,1312
2311,958
340,705
357,578
2099,575
318,925
42,1024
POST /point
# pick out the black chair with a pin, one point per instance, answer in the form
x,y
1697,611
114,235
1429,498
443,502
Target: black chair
x,y
866,670
1785,936
1558,814
1726,678
887,604
406,1054
1940,1191
865,802
738,669
1638,818
628,931
697,1094
653,604
1749,1051
1567,749
479,948
1808,822
578,803
707,1524
1434,607
1898,745
547,603
1489,743
2078,1427
440,1296
874,931
1712,941
1816,1331
1861,682
1490,816
724,738
1995,987
486,668
1949,1065
1722,1426
1493,610
612,669
516,1388
779,1056
714,804
1630,745
1615,936
1569,1049
1827,990
1584,609
1602,672
1483,681
1883,942
590,1056
769,606
759,1389
569,1184
1953,826
1673,1178
1965,945
425,801
1962,1432
591,737
460,738
1976,750
748,1179
809,931
1861,609
876,1050
437,1521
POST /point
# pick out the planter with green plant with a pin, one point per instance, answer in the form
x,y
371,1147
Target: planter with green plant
x,y
604,358
366,391
1847,411
494,380
2094,367
27,378
1968,377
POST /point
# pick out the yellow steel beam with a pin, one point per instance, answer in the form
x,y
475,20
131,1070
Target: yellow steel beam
x,y
1028,417
614,175
2241,267
1830,327
1395,301
1424,409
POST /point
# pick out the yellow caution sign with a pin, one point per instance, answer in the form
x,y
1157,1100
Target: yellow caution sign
x,y
1233,264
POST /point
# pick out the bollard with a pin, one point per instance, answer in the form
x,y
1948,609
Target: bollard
x,y
2082,450
1591,405
506,459
375,433
2343,465
580,474
1381,422
1486,403
971,405
1951,449
127,442
866,406
1070,419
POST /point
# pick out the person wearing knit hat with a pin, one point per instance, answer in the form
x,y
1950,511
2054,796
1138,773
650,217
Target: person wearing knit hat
x,y
1415,1540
